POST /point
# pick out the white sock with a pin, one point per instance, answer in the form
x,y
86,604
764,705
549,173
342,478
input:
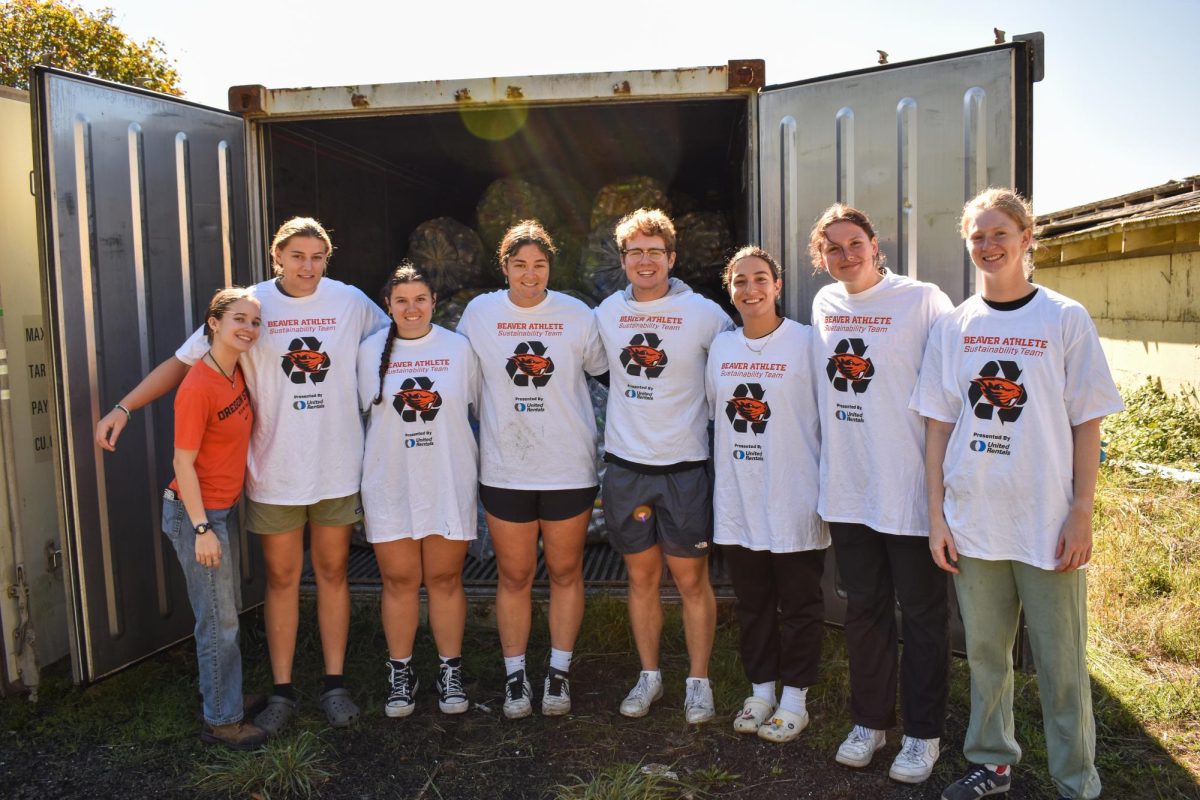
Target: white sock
x,y
560,659
514,664
764,691
652,675
793,699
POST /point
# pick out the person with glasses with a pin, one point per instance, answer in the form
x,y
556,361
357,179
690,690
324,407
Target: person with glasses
x,y
657,489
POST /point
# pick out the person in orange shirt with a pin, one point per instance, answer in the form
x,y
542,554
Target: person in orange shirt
x,y
213,418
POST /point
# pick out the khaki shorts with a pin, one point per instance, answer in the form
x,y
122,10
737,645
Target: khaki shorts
x,y
266,518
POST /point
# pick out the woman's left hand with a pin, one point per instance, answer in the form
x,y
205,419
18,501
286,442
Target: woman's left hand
x,y
208,550
1074,541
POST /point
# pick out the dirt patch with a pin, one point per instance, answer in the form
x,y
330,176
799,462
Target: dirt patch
x,y
135,734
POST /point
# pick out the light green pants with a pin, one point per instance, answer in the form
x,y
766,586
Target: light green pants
x,y
990,597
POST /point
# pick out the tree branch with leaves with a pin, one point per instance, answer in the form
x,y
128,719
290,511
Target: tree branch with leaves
x,y
70,37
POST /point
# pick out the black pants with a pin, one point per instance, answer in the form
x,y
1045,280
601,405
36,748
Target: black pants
x,y
780,611
876,570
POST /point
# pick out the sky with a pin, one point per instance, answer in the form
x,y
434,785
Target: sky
x,y
1118,111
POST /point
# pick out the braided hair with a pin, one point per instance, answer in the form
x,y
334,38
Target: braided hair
x,y
405,273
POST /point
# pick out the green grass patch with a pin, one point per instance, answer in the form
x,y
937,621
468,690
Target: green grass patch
x,y
643,782
1154,427
286,767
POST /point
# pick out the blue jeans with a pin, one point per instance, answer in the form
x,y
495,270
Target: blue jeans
x,y
213,595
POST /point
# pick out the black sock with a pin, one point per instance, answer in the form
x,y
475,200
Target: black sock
x,y
333,682
285,690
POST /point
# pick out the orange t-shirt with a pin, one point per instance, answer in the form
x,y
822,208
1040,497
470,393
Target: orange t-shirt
x,y
214,419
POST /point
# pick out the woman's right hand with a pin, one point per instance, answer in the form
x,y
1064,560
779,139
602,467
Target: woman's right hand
x,y
941,546
208,550
109,428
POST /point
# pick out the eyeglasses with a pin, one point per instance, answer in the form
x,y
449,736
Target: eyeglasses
x,y
654,254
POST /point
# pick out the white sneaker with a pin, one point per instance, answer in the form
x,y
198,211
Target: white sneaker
x,y
645,691
698,704
783,726
914,763
755,711
556,694
860,746
516,696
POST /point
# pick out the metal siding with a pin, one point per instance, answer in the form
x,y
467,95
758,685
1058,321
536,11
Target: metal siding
x,y
466,93
909,145
144,209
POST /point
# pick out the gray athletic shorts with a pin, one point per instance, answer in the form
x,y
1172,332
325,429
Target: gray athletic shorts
x,y
673,510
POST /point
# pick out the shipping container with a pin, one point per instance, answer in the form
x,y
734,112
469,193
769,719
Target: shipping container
x,y
149,203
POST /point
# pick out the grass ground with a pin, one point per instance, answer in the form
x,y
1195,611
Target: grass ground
x,y
135,734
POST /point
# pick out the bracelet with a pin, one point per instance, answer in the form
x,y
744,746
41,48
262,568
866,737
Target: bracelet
x,y
128,416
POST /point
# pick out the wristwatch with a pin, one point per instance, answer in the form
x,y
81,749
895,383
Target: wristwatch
x,y
203,527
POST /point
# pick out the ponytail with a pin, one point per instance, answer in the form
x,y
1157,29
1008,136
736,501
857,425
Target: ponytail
x,y
384,360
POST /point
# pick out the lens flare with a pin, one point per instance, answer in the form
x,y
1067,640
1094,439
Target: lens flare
x,y
642,513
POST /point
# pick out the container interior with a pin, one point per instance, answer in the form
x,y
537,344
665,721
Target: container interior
x,y
373,179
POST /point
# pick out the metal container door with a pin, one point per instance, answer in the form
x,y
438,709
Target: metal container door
x,y
908,144
142,217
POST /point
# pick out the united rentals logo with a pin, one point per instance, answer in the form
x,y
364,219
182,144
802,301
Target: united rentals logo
x,y
996,391
848,368
747,409
529,364
417,398
305,360
644,354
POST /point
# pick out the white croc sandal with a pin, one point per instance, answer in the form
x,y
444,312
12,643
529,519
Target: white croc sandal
x,y
755,711
783,726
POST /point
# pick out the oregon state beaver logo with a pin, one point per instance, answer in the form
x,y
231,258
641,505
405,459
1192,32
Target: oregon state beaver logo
x,y
417,398
849,368
644,355
996,391
747,409
305,360
529,364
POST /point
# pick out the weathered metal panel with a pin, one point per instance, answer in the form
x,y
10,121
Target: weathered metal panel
x,y
143,218
908,144
29,565
386,98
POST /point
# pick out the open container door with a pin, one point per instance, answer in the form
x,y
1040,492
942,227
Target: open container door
x,y
142,216
909,144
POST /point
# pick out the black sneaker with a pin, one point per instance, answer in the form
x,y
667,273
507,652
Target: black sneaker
x,y
516,696
556,696
452,698
402,684
980,782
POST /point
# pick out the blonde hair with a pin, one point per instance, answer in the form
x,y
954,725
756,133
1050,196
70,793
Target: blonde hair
x,y
1010,203
840,212
298,226
647,222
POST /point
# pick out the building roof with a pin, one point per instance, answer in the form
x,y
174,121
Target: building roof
x,y
1176,201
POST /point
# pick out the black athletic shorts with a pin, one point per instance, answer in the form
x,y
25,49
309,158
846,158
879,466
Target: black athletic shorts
x,y
527,505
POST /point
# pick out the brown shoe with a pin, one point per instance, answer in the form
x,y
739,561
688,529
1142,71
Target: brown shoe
x,y
236,735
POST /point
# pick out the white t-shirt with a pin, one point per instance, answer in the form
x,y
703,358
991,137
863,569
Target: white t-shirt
x,y
657,353
866,361
766,440
537,429
1013,383
421,464
307,440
